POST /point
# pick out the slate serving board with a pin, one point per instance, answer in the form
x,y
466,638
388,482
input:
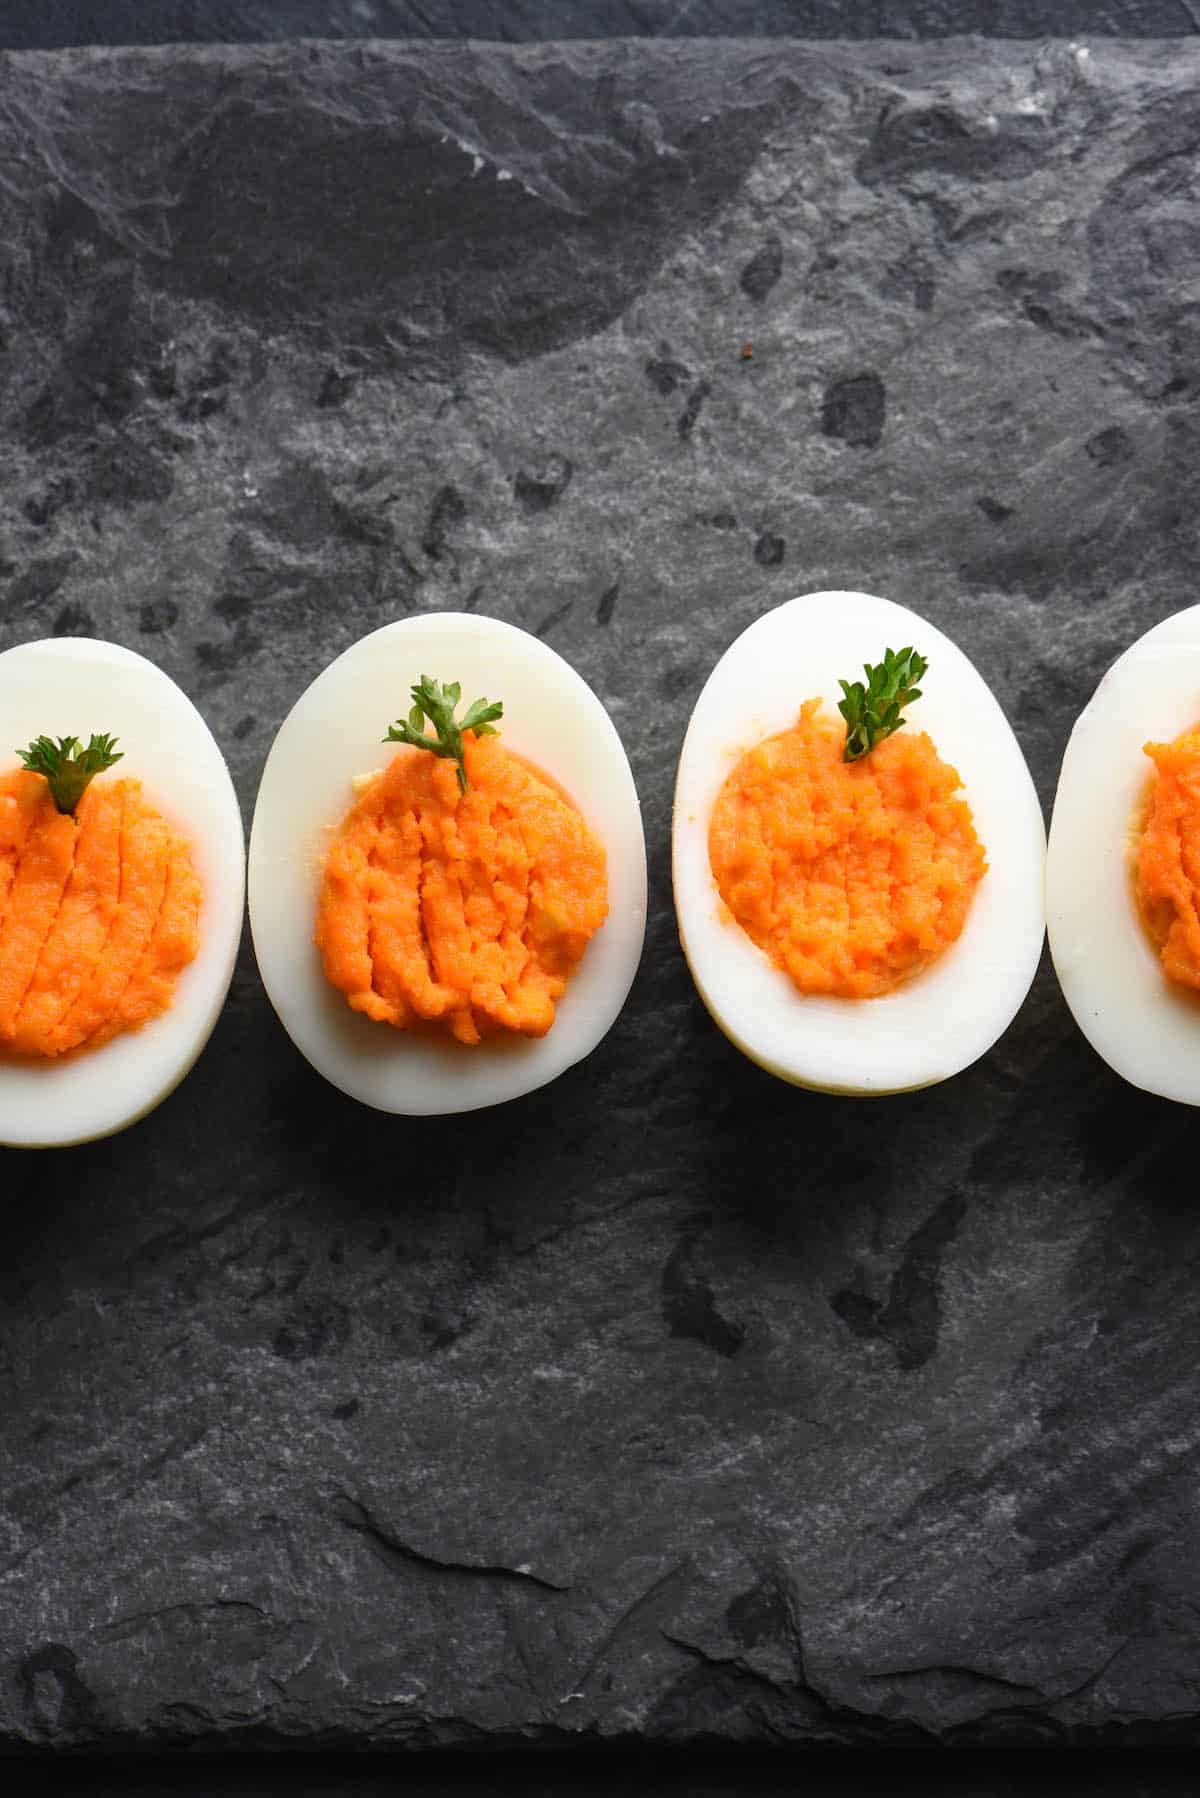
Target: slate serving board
x,y
668,1403
57,24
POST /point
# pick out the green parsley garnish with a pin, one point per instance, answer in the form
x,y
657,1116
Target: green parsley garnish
x,y
873,712
68,766
436,703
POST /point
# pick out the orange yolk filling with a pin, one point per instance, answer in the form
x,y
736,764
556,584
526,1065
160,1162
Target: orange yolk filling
x,y
99,914
1167,872
462,912
851,876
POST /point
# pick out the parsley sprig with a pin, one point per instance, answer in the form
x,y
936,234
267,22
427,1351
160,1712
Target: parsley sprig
x,y
68,766
436,703
872,712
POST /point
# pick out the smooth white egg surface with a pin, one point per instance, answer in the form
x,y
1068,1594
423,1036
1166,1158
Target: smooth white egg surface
x,y
333,733
951,1013
1145,1027
76,685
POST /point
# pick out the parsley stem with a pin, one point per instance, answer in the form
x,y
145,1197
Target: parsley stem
x,y
437,703
872,712
67,766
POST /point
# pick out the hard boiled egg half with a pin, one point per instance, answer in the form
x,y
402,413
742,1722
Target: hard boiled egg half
x,y
77,685
945,1016
554,722
1145,1024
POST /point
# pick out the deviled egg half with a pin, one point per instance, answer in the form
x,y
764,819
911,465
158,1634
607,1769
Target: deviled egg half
x,y
1123,866
447,872
860,915
122,882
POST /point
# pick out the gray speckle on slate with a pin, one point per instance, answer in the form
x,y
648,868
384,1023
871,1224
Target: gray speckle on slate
x,y
668,1402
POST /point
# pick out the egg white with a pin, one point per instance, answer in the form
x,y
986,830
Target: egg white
x,y
80,685
1144,1026
950,1014
553,719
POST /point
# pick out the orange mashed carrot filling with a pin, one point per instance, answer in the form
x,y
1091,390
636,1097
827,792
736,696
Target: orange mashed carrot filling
x,y
851,876
1167,868
99,914
464,912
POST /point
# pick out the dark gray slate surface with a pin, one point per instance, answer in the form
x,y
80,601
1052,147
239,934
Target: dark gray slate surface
x,y
58,24
674,1403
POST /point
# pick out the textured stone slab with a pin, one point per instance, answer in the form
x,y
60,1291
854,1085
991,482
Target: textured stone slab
x,y
58,24
669,1402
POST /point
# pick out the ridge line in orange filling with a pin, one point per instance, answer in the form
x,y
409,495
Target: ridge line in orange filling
x,y
1167,866
463,913
851,876
99,914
